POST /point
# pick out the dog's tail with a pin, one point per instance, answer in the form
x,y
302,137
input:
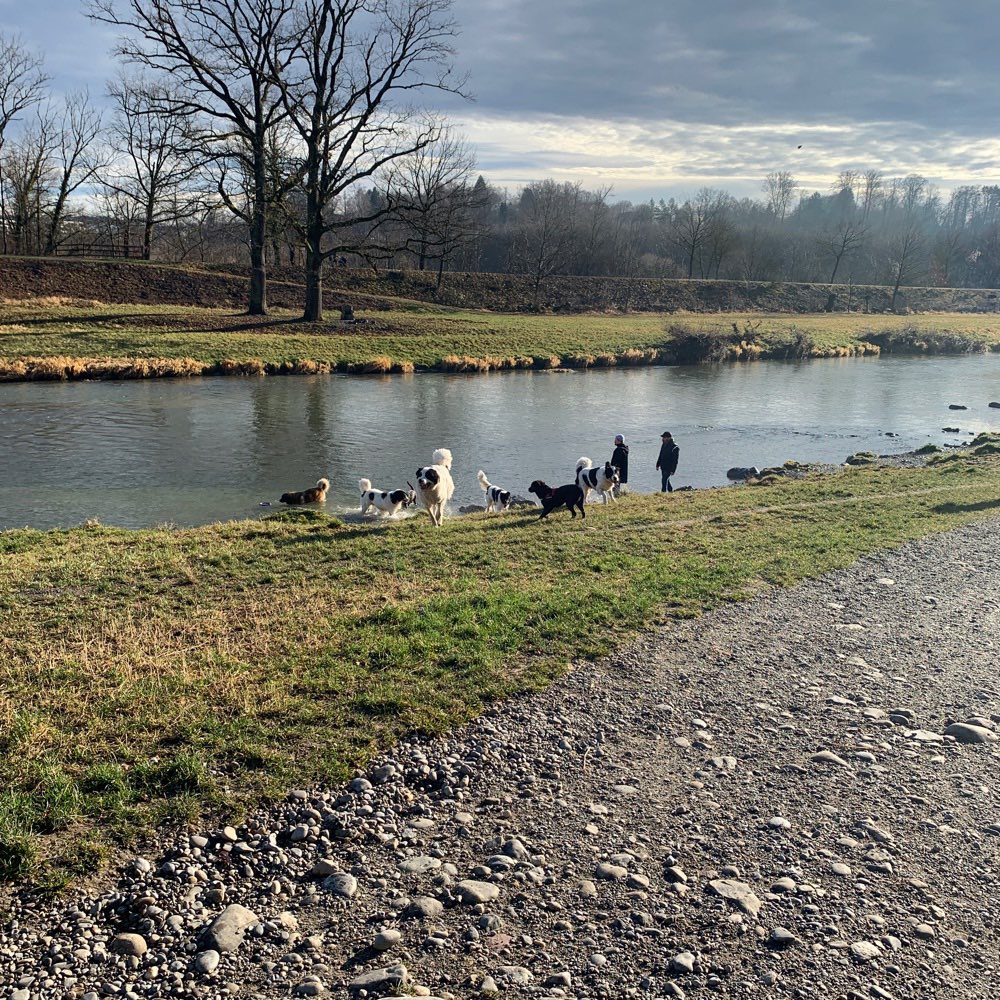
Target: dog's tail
x,y
484,483
364,485
443,457
583,463
323,484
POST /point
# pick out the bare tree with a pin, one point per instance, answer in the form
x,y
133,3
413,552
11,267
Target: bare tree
x,y
691,228
844,239
779,186
22,85
76,160
436,199
871,189
225,59
359,64
26,181
595,228
907,251
546,232
152,162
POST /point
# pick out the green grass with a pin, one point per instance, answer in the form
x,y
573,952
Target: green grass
x,y
158,676
425,336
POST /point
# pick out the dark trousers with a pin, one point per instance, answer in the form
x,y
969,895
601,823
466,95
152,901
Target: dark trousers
x,y
665,486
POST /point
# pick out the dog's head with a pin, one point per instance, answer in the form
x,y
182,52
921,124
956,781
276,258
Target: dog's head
x,y
611,473
288,498
428,477
539,488
504,498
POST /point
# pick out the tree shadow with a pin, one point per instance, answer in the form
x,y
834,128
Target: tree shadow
x,y
966,508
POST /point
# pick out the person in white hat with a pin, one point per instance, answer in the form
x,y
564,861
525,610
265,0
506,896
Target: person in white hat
x,y
619,459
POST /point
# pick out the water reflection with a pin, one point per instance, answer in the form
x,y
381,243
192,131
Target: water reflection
x,y
193,451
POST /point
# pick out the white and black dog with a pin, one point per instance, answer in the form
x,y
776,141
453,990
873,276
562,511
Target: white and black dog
x,y
496,498
389,503
604,480
435,485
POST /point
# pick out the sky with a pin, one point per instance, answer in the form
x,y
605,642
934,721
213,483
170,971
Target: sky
x,y
658,98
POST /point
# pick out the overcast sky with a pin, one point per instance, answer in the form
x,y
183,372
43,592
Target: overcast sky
x,y
657,98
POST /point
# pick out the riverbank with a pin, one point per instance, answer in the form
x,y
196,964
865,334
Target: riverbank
x,y
157,676
64,339
760,802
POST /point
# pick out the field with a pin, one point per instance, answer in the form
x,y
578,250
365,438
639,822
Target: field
x,y
156,676
59,338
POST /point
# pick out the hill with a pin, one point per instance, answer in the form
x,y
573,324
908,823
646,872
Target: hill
x,y
225,286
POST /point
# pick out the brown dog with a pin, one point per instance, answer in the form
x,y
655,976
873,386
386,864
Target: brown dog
x,y
315,494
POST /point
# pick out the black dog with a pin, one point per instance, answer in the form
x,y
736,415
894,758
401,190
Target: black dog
x,y
554,497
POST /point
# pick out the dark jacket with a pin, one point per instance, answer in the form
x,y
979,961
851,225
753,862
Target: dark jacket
x,y
667,459
619,459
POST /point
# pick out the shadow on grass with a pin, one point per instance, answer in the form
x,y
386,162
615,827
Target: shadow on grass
x,y
967,508
235,323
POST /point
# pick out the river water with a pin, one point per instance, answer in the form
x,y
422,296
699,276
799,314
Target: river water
x,y
193,451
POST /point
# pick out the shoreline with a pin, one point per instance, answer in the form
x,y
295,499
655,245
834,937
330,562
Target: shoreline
x,y
125,368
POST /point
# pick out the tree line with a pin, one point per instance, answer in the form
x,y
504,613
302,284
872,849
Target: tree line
x,y
292,133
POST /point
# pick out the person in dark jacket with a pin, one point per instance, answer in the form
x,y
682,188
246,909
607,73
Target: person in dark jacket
x,y
666,461
619,459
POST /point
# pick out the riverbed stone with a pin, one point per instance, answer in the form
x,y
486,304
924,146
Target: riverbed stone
x,y
227,931
739,894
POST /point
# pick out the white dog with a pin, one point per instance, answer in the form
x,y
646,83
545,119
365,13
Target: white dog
x,y
496,499
389,503
604,480
435,485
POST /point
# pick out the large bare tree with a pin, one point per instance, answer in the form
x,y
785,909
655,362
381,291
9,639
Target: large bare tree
x,y
225,59
360,65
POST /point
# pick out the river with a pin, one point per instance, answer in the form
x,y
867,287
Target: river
x,y
193,451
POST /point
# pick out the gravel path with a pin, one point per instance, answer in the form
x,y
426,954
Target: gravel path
x,y
761,802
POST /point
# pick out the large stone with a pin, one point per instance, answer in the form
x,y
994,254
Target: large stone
x,y
227,931
384,980
129,944
419,865
341,884
206,962
739,894
471,891
865,951
965,732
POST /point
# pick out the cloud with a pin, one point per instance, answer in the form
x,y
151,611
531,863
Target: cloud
x,y
661,98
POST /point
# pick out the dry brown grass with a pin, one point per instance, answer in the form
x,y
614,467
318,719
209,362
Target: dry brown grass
x,y
58,369
249,366
55,302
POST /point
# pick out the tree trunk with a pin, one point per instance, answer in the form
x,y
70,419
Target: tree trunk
x,y
313,311
258,237
147,230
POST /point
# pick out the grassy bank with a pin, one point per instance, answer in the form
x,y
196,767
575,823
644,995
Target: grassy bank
x,y
60,338
160,675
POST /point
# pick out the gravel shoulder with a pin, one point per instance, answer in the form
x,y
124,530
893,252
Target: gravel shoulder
x,y
761,802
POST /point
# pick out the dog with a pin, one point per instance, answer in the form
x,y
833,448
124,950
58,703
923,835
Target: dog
x,y
388,503
496,499
554,497
315,494
435,485
603,480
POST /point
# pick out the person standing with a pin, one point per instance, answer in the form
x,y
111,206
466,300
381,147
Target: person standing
x,y
666,461
619,459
